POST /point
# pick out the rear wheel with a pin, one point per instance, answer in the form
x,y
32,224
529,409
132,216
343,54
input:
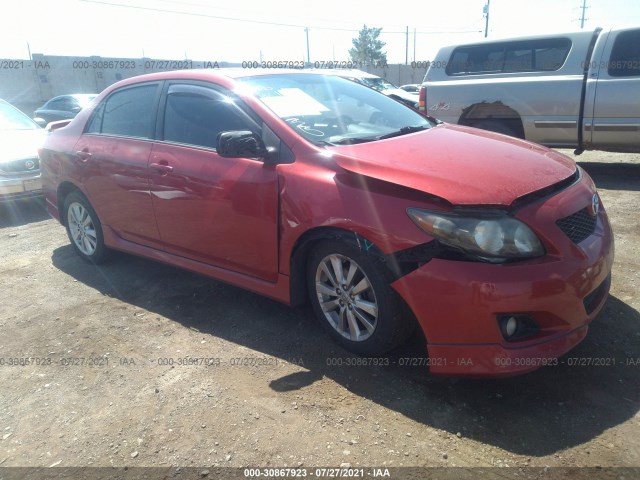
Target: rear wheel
x,y
84,229
352,299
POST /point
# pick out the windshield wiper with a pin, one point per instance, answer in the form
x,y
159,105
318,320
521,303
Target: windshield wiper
x,y
402,131
351,141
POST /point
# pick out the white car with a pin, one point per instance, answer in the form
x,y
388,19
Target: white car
x,y
20,138
377,83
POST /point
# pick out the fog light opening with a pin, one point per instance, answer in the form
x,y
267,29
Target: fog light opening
x,y
516,326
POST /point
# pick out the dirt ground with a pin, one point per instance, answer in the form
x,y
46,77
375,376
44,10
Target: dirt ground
x,y
108,381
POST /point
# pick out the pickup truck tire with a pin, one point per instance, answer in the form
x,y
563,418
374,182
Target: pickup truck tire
x,y
498,126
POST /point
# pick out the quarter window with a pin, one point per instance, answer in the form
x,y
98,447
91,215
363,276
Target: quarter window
x,y
625,55
129,112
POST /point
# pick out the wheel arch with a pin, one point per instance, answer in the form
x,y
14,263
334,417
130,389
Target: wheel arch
x,y
496,111
305,244
64,189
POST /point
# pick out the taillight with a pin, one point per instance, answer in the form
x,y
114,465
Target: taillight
x,y
422,99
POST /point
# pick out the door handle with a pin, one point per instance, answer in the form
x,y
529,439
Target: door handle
x,y
83,155
163,168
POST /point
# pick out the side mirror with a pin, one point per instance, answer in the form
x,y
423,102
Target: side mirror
x,y
241,144
40,121
51,126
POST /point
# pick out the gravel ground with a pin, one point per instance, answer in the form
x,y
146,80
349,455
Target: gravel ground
x,y
108,384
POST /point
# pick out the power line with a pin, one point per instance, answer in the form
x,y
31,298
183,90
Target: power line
x,y
261,22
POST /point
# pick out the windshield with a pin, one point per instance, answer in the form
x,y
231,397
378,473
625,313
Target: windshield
x,y
332,110
85,100
13,119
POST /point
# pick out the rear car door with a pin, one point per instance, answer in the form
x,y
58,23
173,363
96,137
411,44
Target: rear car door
x,y
613,89
113,154
221,211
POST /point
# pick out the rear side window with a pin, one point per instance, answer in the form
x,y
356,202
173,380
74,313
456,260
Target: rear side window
x,y
625,55
195,115
63,103
545,55
129,112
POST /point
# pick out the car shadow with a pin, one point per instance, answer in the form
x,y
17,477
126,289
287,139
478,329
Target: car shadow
x,y
614,176
537,414
22,212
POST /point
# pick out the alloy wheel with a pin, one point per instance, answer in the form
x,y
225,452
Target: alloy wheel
x,y
346,297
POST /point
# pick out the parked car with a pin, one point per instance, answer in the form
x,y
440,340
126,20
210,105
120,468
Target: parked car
x,y
499,250
20,138
571,90
62,107
411,88
377,83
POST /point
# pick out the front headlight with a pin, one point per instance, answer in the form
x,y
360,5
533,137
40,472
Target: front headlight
x,y
495,237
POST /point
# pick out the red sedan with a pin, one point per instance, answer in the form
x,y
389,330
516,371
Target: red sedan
x,y
307,187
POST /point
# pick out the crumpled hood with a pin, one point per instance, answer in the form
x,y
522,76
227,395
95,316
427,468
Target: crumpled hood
x,y
464,166
18,144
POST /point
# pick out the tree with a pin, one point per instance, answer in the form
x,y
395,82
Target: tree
x,y
367,48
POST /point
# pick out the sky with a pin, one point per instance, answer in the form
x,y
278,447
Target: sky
x,y
255,30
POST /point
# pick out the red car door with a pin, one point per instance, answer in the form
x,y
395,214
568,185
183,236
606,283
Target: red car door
x,y
221,211
113,155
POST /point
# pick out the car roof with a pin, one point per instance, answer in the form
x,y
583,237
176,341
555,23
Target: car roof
x,y
523,38
75,95
224,75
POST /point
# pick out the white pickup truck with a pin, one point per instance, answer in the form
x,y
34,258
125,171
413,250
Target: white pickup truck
x,y
576,90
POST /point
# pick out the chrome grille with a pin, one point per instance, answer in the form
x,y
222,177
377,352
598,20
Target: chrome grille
x,y
21,166
578,226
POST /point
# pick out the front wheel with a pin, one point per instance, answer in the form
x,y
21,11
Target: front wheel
x,y
352,299
84,229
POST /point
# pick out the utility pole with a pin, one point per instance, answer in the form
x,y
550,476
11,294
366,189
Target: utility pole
x,y
306,29
584,8
486,16
406,48
414,44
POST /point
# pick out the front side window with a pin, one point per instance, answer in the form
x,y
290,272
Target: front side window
x,y
196,115
128,112
543,55
625,55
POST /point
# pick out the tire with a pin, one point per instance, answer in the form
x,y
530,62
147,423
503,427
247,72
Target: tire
x,y
497,126
362,312
84,229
